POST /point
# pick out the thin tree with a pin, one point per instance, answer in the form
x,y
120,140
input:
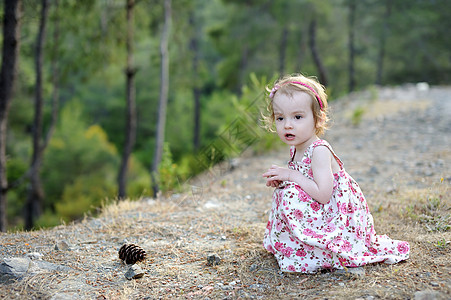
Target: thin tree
x,y
36,193
130,127
164,88
382,42
351,45
194,47
315,53
283,49
55,76
10,56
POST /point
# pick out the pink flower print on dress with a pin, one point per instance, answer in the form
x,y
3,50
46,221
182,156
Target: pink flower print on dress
x,y
291,268
315,206
303,196
269,225
326,265
335,185
346,246
308,232
403,247
301,253
335,245
278,246
310,173
270,249
307,161
329,228
373,250
347,208
287,251
277,200
279,225
298,214
359,233
343,261
318,236
352,188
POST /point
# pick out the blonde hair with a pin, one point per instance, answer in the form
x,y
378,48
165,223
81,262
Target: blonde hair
x,y
291,84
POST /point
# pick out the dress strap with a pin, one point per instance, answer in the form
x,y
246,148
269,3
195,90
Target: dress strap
x,y
326,144
292,152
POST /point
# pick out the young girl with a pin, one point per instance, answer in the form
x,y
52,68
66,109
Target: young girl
x,y
319,217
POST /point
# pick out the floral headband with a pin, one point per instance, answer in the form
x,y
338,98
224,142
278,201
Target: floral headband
x,y
276,87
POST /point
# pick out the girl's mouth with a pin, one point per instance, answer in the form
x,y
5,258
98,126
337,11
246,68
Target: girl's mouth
x,y
289,136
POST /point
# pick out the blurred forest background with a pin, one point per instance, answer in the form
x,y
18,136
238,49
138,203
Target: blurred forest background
x,y
112,99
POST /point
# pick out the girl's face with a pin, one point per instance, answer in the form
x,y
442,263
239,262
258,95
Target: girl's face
x,y
294,119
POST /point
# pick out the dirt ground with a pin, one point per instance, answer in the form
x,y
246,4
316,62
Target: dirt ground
x,y
394,141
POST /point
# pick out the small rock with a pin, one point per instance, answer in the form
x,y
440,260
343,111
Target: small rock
x,y
213,259
62,246
14,268
34,255
427,295
434,284
65,296
134,272
45,265
373,171
253,267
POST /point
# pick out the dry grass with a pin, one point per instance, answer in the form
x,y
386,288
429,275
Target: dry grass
x,y
225,213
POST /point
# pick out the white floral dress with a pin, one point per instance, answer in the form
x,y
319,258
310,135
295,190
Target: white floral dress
x,y
306,236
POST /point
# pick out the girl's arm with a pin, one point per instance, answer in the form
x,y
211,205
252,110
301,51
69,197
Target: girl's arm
x,y
320,188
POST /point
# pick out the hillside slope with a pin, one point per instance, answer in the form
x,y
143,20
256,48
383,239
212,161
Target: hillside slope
x,y
399,152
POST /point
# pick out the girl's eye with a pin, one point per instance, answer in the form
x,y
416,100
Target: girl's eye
x,y
298,117
279,118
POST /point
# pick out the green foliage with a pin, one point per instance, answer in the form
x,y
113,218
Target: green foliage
x,y
79,165
442,244
49,219
434,213
357,115
169,175
84,195
138,179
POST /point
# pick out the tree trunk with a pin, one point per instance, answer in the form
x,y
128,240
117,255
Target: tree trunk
x,y
383,38
164,88
130,130
315,54
55,78
36,194
283,50
301,51
194,46
351,46
10,56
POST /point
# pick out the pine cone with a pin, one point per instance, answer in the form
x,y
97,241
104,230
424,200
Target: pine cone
x,y
131,253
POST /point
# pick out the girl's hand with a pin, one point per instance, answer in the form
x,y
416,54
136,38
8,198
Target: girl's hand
x,y
275,175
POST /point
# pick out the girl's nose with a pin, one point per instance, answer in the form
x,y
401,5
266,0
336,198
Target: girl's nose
x,y
288,124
